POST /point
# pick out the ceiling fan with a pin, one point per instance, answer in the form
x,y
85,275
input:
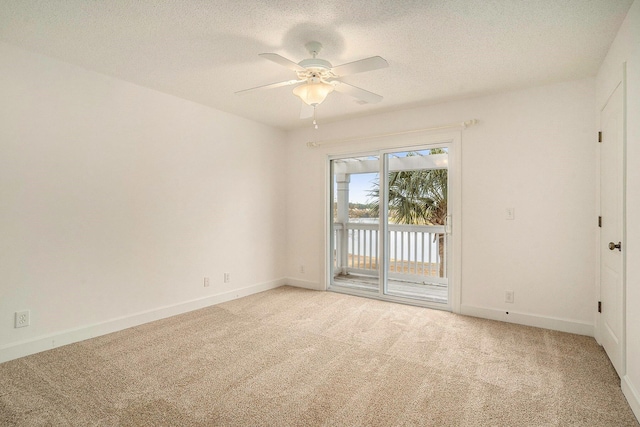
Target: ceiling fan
x,y
316,78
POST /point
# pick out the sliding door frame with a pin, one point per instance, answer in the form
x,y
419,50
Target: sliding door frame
x,y
381,147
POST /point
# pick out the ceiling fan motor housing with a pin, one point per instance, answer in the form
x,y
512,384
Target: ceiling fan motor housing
x,y
317,63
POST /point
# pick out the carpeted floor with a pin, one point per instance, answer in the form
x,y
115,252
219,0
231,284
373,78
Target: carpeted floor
x,y
293,357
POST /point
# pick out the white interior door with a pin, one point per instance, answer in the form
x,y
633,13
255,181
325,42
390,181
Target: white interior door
x,y
611,319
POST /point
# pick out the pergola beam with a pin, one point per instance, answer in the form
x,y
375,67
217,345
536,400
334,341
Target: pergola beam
x,y
433,161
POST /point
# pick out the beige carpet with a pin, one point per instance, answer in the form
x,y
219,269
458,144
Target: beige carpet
x,y
293,357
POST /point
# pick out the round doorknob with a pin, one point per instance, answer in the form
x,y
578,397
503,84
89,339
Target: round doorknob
x,y
613,246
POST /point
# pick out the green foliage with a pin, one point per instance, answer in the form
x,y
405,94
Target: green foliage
x,y
360,206
416,196
357,210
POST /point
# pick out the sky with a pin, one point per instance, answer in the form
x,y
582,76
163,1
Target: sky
x,y
359,187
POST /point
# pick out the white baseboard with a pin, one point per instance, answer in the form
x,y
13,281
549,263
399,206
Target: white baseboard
x,y
47,342
632,395
556,324
304,284
563,325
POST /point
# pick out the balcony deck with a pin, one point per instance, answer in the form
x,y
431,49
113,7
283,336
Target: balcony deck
x,y
432,292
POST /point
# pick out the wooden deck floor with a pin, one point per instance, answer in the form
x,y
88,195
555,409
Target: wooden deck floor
x,y
428,292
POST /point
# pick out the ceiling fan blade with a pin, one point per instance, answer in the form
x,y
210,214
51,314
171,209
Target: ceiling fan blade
x,y
367,64
270,86
306,111
356,92
281,60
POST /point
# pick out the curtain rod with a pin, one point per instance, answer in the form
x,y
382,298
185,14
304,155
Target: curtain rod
x,y
462,125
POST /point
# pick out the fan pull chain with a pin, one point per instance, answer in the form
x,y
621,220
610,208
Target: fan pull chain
x,y
315,124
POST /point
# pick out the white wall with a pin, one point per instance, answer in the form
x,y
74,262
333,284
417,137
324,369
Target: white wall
x,y
533,150
626,48
116,201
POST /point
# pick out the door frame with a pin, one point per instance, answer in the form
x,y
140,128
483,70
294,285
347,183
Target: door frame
x,y
406,142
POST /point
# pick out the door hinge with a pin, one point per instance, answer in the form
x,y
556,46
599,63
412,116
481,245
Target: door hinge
x,y
599,306
600,221
600,136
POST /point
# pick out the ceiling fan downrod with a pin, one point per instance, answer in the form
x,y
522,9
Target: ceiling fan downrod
x,y
313,48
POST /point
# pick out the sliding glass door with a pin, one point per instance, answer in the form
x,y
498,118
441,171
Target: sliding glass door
x,y
390,225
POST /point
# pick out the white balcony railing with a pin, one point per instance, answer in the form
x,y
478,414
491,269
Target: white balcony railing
x,y
416,252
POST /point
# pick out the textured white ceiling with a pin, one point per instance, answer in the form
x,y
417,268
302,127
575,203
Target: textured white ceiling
x,y
206,50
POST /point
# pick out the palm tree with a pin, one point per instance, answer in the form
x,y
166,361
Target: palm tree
x,y
417,197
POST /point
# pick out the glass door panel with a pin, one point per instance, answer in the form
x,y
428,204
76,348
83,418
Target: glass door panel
x,y
354,223
417,213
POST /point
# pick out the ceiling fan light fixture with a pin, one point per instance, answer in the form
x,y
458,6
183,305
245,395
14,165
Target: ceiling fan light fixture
x,y
313,93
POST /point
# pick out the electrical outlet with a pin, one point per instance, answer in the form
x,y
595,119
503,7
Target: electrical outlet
x,y
206,282
22,318
508,297
227,277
